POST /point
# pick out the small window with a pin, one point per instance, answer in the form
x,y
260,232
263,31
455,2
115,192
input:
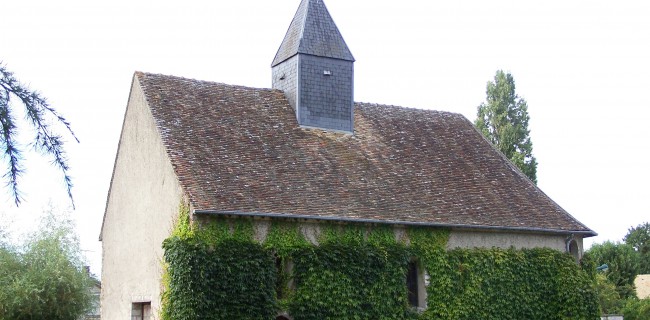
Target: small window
x,y
412,284
416,283
573,250
284,269
141,311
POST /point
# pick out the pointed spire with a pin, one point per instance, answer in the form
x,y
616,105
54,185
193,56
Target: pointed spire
x,y
313,32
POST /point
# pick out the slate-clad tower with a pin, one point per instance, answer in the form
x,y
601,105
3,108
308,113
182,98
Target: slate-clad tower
x,y
314,67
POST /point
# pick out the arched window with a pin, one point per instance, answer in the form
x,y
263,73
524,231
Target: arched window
x,y
574,250
283,316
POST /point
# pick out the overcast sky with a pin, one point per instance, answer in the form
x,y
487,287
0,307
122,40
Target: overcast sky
x,y
582,66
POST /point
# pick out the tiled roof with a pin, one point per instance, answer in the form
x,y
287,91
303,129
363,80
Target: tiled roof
x,y
312,31
239,149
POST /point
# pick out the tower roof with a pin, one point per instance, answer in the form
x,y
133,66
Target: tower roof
x,y
312,31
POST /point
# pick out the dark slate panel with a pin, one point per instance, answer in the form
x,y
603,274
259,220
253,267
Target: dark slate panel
x,y
313,31
326,97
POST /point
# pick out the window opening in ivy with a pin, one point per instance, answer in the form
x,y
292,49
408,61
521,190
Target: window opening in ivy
x,y
141,311
284,269
279,287
417,280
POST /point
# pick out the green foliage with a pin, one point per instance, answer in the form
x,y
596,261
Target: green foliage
x,y
425,241
340,234
232,279
509,284
359,272
39,115
608,299
623,265
503,120
636,309
183,227
45,279
625,261
351,275
639,238
219,230
336,281
217,272
285,239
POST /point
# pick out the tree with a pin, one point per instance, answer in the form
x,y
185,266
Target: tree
x,y
39,115
639,238
636,309
608,298
503,120
623,265
45,278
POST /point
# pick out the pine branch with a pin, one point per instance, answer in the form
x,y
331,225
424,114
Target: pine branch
x,y
46,140
11,152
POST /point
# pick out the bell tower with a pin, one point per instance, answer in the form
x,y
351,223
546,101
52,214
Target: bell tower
x,y
314,68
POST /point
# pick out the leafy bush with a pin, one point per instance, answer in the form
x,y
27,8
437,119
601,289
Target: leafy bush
x,y
608,299
636,309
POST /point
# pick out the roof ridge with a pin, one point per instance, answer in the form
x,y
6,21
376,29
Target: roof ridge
x,y
141,74
376,104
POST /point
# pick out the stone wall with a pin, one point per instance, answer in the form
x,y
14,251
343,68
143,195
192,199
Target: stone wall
x,y
642,284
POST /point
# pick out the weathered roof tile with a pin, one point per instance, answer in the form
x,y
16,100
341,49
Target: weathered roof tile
x,y
240,149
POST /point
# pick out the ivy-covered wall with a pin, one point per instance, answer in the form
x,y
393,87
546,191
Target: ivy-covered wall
x,y
218,271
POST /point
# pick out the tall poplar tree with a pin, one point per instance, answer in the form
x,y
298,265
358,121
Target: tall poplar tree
x,y
503,120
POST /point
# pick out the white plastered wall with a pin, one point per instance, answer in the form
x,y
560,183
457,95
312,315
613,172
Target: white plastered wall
x,y
487,239
457,238
142,206
642,284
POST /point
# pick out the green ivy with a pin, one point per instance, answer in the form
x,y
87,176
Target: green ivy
x,y
354,273
509,284
218,271
233,279
183,227
285,239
